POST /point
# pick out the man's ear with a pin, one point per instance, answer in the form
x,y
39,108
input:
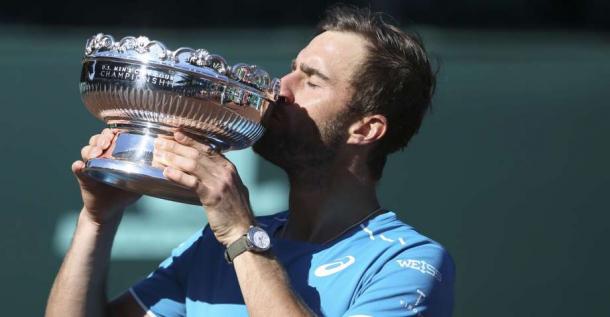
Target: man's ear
x,y
368,129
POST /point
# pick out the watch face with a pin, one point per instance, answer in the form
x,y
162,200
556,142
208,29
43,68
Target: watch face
x,y
260,239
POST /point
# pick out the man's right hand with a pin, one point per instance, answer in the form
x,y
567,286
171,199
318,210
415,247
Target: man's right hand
x,y
102,202
79,288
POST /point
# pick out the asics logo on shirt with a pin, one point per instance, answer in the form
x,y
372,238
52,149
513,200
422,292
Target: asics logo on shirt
x,y
334,266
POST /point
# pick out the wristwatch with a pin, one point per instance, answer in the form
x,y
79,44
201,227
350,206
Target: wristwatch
x,y
256,240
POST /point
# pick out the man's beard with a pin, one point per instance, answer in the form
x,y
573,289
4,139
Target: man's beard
x,y
306,148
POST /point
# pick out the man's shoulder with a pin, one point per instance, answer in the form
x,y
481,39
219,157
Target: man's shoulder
x,y
394,241
391,230
397,261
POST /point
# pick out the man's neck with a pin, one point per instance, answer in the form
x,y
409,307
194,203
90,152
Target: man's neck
x,y
324,204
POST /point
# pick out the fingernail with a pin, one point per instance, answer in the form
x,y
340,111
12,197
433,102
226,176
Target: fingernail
x,y
179,136
159,142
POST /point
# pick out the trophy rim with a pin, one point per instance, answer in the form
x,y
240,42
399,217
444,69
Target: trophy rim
x,y
195,61
215,77
123,82
145,91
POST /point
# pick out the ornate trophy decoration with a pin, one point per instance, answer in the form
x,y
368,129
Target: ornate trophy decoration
x,y
146,91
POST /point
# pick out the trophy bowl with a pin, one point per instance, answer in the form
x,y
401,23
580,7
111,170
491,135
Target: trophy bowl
x,y
145,91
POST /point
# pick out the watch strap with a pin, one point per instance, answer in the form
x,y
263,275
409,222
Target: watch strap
x,y
236,248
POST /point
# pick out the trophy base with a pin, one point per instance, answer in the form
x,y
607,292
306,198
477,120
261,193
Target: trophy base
x,y
138,178
127,164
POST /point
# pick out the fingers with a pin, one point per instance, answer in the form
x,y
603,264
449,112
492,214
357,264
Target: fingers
x,y
185,155
183,138
188,160
93,140
166,158
98,144
90,152
103,139
200,147
77,167
181,178
176,148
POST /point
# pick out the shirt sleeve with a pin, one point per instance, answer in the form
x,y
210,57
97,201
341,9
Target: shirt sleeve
x,y
417,282
163,292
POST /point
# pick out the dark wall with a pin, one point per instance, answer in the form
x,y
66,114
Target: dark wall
x,y
509,171
591,14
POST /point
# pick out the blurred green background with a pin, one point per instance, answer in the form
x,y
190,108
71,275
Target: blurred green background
x,y
509,171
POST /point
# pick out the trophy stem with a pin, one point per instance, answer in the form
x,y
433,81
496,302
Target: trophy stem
x,y
128,163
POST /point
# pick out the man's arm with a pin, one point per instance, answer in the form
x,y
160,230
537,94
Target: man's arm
x,y
266,288
263,282
80,286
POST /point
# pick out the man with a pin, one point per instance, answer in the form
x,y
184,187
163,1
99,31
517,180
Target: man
x,y
356,93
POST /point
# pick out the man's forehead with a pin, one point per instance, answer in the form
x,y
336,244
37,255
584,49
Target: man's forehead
x,y
334,52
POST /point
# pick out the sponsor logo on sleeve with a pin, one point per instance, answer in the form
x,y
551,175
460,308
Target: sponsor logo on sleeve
x,y
413,306
422,266
334,266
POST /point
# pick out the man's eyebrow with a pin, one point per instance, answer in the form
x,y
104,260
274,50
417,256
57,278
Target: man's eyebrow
x,y
310,71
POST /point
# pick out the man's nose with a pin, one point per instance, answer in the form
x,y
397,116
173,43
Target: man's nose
x,y
286,92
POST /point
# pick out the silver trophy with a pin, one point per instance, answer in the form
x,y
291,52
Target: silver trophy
x,y
146,91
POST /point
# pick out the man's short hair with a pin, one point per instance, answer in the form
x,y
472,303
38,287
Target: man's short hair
x,y
395,80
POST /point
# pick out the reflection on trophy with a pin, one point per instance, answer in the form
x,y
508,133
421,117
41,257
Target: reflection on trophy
x,y
146,91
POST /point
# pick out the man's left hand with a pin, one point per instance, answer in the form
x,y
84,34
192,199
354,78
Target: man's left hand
x,y
197,166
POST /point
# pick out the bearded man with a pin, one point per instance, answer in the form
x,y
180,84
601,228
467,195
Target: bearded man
x,y
356,93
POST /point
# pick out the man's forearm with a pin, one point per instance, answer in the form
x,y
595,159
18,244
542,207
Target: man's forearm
x,y
80,286
266,288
